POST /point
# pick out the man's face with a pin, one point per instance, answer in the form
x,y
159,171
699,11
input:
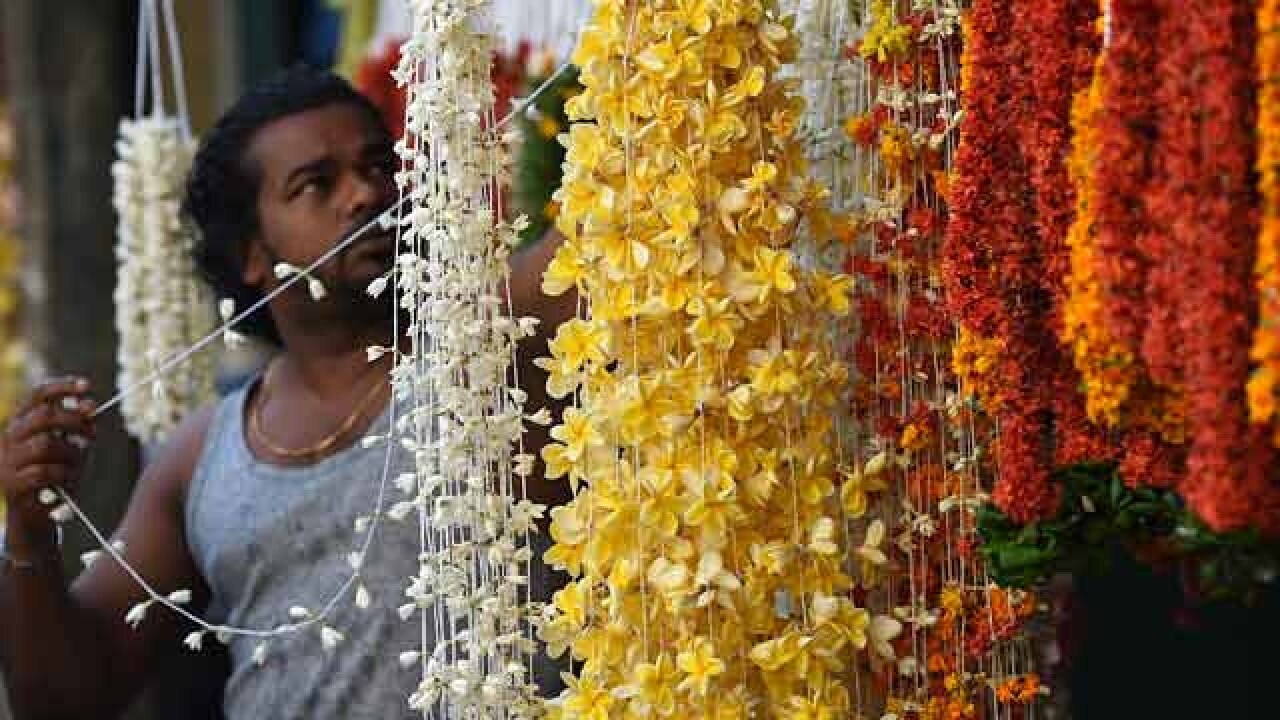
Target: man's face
x,y
323,173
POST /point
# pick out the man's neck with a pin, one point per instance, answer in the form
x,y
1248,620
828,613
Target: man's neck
x,y
331,361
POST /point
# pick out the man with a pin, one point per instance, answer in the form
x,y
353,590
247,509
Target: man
x,y
252,504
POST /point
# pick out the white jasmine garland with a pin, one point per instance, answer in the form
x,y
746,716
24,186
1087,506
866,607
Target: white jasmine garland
x,y
464,423
161,307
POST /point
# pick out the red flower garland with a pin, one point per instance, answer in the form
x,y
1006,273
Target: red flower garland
x,y
1229,462
1126,126
1061,43
991,266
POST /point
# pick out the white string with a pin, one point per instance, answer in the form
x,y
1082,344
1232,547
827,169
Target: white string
x,y
140,71
153,37
177,72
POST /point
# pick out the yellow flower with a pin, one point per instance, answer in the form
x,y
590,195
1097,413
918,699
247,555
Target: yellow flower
x,y
565,269
773,273
586,699
855,492
869,555
715,322
569,533
653,690
700,665
822,537
578,433
578,342
772,655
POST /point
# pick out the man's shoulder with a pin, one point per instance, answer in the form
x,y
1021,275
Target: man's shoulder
x,y
174,462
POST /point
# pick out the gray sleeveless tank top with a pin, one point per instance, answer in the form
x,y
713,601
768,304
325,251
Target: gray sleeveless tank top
x,y
267,538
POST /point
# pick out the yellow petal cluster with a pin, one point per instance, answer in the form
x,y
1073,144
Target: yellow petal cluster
x,y
709,577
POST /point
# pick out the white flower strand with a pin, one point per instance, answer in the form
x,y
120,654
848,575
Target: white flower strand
x,y
471,592
160,305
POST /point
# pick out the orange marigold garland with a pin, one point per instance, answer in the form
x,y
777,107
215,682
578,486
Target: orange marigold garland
x,y
1117,391
1264,384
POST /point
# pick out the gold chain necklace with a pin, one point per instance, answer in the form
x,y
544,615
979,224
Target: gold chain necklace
x,y
321,446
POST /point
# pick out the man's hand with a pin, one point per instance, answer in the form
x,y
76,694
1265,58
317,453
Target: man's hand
x,y
42,448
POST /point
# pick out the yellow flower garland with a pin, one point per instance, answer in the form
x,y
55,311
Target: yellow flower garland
x,y
709,577
1106,368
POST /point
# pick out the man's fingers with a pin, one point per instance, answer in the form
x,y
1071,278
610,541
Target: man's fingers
x,y
46,449
46,417
55,390
35,478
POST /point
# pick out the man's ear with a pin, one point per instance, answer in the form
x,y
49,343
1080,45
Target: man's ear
x,y
257,264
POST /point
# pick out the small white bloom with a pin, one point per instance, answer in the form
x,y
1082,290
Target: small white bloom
x,y
232,339
329,637
316,288
260,654
180,597
362,524
61,514
47,496
369,441
226,309
377,287
406,611
401,510
362,597
137,614
410,658
297,612
195,640
88,558
406,482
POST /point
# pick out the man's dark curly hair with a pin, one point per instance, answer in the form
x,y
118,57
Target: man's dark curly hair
x,y
222,190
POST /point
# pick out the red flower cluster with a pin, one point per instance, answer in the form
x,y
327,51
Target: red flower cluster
x,y
1006,255
1061,42
1229,461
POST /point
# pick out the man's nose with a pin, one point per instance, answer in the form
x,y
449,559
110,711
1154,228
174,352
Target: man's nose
x,y
365,196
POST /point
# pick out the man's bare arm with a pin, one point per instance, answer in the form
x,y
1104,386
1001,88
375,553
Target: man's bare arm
x,y
527,299
66,650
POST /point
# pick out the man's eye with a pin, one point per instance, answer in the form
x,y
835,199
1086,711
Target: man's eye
x,y
313,185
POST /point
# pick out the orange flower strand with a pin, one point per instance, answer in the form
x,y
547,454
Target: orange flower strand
x,y
1264,383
